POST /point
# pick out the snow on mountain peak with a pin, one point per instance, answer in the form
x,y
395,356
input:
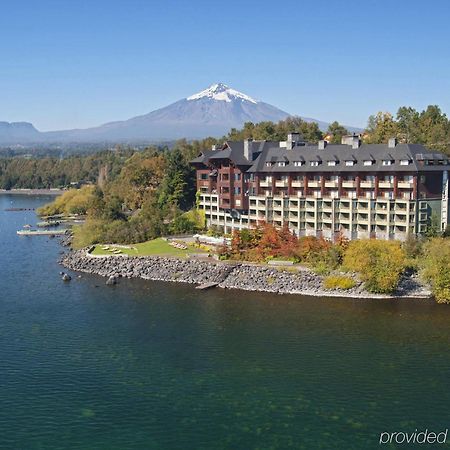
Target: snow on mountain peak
x,y
222,92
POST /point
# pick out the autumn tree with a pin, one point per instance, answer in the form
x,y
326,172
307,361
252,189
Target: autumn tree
x,y
337,131
380,128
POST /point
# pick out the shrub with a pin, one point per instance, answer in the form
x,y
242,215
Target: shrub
x,y
338,282
380,263
435,268
413,250
320,254
73,201
89,233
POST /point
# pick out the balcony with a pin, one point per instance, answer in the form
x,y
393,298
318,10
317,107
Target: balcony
x,y
362,220
381,220
265,183
281,183
297,184
349,184
313,184
367,184
405,185
385,184
277,205
331,184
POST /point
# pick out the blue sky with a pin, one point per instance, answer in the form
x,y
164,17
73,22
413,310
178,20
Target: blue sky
x,y
68,64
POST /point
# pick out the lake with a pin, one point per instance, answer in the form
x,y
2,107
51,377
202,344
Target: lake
x,y
151,365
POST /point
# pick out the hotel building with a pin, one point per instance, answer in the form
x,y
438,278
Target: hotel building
x,y
385,191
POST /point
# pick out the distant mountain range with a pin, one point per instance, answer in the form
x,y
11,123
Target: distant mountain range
x,y
212,112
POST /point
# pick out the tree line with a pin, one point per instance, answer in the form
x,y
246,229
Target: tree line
x,y
430,127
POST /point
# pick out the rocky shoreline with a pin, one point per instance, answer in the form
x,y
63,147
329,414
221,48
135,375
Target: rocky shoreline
x,y
228,275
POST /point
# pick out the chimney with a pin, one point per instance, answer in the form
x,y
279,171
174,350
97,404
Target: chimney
x,y
322,144
292,139
248,149
356,142
345,140
351,139
392,142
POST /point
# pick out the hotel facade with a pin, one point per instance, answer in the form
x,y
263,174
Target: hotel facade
x,y
386,191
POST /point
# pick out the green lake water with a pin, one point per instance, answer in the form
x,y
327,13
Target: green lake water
x,y
149,365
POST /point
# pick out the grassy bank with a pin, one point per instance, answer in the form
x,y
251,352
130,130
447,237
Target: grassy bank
x,y
155,247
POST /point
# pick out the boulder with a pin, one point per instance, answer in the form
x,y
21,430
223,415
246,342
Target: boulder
x,y
111,281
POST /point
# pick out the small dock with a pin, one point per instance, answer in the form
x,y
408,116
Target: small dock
x,y
42,232
205,286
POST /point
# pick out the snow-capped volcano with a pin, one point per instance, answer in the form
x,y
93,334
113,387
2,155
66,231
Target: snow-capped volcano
x,y
221,92
211,112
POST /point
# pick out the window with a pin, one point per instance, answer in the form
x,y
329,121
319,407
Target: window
x,y
314,163
298,163
237,177
203,176
237,190
368,162
405,162
332,163
351,162
282,163
269,163
387,162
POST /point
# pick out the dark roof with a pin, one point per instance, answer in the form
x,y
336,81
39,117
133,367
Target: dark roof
x,y
234,151
203,157
377,153
271,152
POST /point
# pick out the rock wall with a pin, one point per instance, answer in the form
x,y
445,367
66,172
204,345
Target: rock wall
x,y
249,277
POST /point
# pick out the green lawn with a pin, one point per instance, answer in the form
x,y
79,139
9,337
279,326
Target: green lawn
x,y
156,247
